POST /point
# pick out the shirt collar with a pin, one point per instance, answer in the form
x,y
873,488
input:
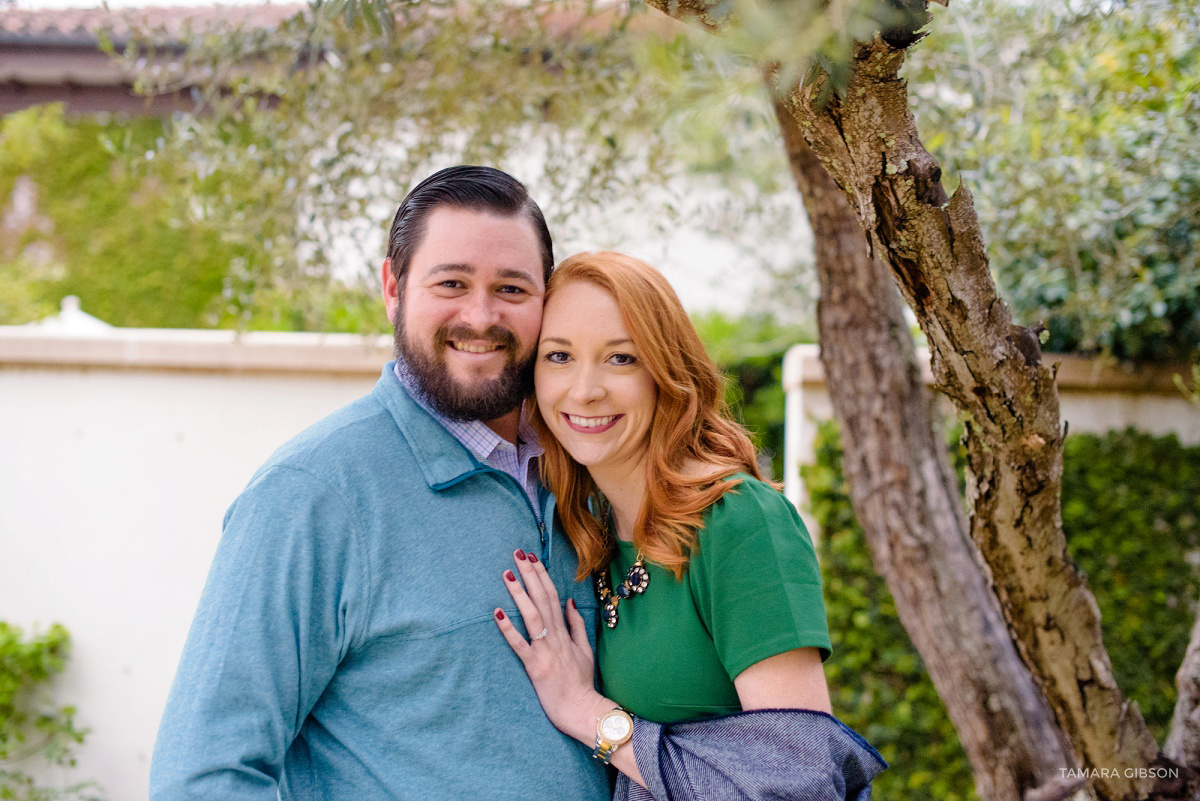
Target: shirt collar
x,y
474,435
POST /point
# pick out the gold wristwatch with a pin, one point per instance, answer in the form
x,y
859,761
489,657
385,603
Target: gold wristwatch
x,y
613,729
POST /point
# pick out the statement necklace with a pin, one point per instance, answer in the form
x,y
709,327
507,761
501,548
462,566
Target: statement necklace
x,y
635,583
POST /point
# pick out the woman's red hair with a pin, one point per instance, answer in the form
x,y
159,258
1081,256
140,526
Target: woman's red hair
x,y
691,424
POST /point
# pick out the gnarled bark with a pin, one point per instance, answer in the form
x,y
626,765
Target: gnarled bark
x,y
1183,741
906,498
992,370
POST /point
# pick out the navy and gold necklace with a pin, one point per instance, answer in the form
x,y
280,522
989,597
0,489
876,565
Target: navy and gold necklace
x,y
637,579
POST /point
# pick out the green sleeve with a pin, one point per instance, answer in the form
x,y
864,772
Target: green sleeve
x,y
755,578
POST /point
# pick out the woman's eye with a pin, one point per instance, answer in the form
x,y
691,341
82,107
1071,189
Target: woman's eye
x,y
623,359
556,357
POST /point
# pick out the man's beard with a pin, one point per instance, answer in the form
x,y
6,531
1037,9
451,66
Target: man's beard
x,y
486,399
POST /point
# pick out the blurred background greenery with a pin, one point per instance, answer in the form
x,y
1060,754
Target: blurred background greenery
x,y
1074,125
1131,512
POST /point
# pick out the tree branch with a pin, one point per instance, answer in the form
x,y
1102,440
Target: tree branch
x,y
907,500
992,370
1183,741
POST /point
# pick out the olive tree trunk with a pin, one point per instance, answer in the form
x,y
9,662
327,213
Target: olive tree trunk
x,y
1183,741
992,370
907,500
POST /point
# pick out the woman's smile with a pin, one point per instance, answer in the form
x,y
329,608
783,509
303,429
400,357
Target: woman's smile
x,y
592,425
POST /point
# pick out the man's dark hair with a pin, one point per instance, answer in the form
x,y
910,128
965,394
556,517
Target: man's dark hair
x,y
481,189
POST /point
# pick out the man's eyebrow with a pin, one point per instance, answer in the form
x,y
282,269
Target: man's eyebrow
x,y
519,275
469,269
451,267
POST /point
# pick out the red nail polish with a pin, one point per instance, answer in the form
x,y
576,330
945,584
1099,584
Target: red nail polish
x,y
508,576
521,555
532,558
499,614
571,602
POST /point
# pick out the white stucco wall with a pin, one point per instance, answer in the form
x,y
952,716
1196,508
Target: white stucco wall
x,y
113,482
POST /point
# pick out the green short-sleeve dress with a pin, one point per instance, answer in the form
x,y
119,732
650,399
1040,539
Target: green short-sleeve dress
x,y
751,590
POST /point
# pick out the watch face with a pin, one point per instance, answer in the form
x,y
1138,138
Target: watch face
x,y
615,726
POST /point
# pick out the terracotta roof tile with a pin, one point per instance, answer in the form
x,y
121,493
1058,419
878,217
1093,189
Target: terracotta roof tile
x,y
83,25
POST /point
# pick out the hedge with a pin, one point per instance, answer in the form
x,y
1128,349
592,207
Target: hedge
x,y
1131,505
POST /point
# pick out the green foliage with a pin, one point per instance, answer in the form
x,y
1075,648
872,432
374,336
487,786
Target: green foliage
x,y
267,207
877,680
32,728
802,36
1075,128
1131,513
1192,392
750,351
23,291
310,159
1074,125
304,158
99,213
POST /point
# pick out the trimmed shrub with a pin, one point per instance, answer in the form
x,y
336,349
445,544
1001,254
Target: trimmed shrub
x,y
1131,506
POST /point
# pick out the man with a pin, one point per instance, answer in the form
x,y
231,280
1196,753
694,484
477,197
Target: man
x,y
344,646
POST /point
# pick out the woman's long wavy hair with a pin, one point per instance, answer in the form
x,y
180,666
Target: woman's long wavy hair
x,y
691,423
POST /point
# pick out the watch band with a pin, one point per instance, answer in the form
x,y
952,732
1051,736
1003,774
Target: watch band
x,y
603,751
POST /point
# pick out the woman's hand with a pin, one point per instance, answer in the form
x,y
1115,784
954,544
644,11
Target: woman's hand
x,y
558,658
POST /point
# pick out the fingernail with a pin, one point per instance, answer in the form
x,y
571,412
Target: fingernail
x,y
499,614
571,602
521,555
508,576
532,558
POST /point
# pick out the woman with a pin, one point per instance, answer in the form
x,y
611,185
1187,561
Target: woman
x,y
709,583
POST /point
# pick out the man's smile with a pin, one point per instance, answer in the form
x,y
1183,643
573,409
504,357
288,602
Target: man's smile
x,y
468,347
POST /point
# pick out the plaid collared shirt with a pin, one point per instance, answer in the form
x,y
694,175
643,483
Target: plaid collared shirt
x,y
485,444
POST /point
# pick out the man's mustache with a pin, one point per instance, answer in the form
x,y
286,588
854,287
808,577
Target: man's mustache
x,y
495,334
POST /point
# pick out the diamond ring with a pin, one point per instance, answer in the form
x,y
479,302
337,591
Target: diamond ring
x,y
545,631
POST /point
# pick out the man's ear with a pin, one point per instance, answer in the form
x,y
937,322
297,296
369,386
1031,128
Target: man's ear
x,y
391,294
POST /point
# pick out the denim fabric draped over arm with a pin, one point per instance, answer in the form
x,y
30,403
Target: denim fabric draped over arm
x,y
775,754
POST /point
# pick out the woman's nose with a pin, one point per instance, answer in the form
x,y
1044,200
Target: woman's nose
x,y
587,386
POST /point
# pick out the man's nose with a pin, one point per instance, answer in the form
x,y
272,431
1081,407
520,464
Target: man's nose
x,y
480,311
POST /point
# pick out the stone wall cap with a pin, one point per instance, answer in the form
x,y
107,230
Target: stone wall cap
x,y
802,367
